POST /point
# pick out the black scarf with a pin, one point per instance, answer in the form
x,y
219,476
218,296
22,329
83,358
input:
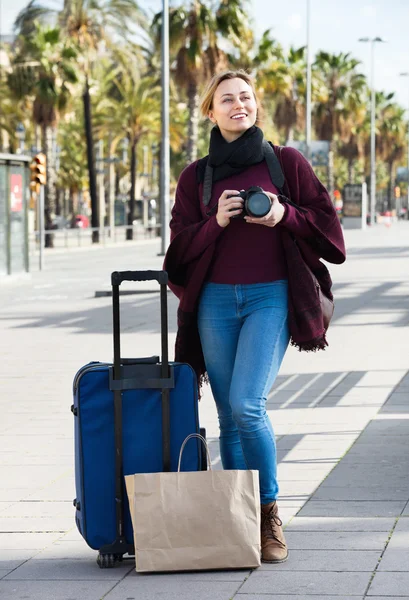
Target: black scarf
x,y
232,158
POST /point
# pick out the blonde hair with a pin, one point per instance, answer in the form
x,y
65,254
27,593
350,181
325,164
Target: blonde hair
x,y
206,102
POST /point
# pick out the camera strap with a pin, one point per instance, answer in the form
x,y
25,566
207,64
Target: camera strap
x,y
274,168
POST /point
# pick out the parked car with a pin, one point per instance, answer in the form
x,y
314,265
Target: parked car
x,y
81,221
60,222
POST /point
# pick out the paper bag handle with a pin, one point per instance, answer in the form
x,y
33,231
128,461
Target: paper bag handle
x,y
202,439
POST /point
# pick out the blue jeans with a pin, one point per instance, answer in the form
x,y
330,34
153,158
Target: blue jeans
x,y
244,335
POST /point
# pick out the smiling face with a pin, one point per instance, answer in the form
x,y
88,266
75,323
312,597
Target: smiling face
x,y
234,108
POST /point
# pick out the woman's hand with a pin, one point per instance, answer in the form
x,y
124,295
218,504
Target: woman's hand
x,y
275,215
228,207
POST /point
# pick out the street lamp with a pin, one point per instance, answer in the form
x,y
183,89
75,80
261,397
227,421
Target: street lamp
x,y
308,96
165,158
407,213
373,167
21,136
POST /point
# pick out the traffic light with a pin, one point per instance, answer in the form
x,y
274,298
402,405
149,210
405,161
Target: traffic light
x,y
397,191
38,168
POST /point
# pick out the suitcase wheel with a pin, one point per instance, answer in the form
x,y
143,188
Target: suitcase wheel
x,y
107,561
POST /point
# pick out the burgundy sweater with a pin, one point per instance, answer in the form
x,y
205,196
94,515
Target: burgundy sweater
x,y
192,235
245,252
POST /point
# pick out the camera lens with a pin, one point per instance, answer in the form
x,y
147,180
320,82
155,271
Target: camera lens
x,y
258,204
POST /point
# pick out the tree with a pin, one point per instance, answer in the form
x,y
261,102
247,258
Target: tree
x,y
43,68
336,80
130,107
284,83
354,129
92,26
194,32
391,141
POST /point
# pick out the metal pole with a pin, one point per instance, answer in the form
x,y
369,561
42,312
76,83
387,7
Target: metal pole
x,y
373,169
407,203
165,159
41,226
100,187
308,98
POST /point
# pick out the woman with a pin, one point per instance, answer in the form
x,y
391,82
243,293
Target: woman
x,y
243,283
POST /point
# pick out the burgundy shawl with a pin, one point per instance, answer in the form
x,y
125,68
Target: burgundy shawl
x,y
305,316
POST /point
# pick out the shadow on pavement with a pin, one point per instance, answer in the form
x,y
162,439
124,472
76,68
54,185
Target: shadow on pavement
x,y
141,313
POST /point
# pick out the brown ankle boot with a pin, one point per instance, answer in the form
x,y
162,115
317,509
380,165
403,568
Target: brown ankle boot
x,y
273,545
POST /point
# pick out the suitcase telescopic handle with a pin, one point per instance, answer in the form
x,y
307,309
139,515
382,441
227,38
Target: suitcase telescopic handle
x,y
117,277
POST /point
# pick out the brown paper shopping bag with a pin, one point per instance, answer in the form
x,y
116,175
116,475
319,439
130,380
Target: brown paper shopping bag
x,y
195,520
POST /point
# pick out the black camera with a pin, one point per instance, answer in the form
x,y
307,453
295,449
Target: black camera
x,y
256,203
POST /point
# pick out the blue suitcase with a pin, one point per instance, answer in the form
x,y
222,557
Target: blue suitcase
x,y
130,417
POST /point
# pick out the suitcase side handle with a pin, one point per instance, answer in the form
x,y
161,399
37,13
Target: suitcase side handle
x,y
117,277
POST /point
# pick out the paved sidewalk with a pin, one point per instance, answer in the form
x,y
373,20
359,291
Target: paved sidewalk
x,y
341,418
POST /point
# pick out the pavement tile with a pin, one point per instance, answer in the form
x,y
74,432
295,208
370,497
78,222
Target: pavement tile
x,y
175,587
28,460
341,524
68,570
327,560
396,556
297,472
381,378
72,536
64,550
326,428
333,442
327,492
23,476
398,397
311,456
365,454
50,590
35,524
297,597
5,507
298,582
389,584
378,476
396,409
336,540
387,427
9,494
40,509
10,559
61,490
27,541
334,508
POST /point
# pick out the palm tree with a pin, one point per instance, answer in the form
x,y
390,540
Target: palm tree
x,y
391,141
72,175
354,130
283,81
194,32
43,68
11,114
130,106
336,80
91,25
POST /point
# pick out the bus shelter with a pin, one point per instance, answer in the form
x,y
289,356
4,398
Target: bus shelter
x,y
14,201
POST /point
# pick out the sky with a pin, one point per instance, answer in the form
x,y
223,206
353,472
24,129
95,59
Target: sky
x,y
334,27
